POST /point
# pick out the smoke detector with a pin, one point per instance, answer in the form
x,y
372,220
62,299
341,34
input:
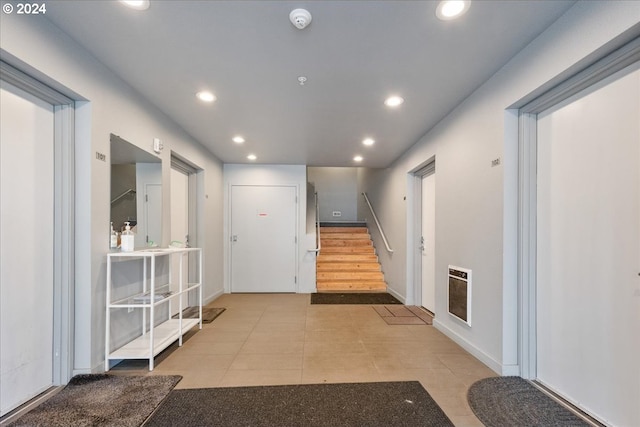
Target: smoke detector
x,y
300,18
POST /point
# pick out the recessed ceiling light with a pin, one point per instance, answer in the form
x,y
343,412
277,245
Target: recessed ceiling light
x,y
136,4
238,139
368,141
252,157
393,101
451,9
357,159
206,96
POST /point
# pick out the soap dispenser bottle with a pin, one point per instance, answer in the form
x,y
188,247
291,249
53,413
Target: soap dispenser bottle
x,y
127,239
114,238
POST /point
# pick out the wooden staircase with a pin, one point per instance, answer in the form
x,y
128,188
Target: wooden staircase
x,y
348,262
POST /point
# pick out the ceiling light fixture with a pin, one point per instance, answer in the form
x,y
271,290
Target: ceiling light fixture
x,y
206,96
238,139
302,80
252,157
393,101
358,159
368,141
451,9
136,4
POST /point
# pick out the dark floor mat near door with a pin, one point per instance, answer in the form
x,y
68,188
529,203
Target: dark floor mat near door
x,y
353,298
362,404
513,401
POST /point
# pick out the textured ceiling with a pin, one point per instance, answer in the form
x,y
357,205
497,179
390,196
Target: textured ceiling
x,y
354,54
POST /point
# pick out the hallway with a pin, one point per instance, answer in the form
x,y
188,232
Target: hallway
x,y
272,339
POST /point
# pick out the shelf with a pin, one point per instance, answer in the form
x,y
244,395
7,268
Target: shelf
x,y
163,335
128,301
149,252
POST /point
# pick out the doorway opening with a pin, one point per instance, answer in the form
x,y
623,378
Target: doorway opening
x,y
264,239
37,282
184,219
424,179
579,238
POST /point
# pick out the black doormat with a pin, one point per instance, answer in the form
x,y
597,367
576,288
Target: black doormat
x,y
363,404
513,401
209,314
101,400
354,298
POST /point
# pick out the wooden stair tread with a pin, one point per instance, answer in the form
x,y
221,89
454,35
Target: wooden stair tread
x,y
348,266
365,285
343,242
344,230
367,250
345,236
349,257
347,261
354,275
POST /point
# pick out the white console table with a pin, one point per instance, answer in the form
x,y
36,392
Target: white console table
x,y
154,338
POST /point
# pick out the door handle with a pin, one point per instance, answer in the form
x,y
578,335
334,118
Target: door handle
x,y
234,238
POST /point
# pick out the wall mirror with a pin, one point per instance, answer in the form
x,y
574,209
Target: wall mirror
x,y
136,191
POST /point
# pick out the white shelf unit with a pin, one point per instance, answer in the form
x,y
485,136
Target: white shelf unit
x,y
154,338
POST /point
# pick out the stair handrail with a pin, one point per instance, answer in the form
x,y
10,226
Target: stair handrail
x,y
375,218
131,190
318,246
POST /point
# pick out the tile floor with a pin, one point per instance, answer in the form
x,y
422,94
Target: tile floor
x,y
271,339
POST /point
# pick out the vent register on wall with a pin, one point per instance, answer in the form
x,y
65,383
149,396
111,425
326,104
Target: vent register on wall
x,y
459,293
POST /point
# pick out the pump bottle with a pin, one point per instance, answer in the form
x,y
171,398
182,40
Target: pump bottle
x,y
127,239
114,238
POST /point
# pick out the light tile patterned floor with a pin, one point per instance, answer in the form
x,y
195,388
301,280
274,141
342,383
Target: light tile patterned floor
x,y
272,339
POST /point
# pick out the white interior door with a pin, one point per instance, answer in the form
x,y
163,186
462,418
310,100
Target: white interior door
x,y
179,229
428,242
263,238
588,249
26,246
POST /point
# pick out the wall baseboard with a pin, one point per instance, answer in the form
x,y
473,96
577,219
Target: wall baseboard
x,y
494,365
212,297
396,295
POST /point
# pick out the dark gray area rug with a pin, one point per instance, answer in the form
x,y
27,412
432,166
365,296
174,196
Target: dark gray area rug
x,y
101,400
354,298
362,404
514,402
209,314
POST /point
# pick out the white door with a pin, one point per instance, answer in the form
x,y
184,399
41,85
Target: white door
x,y
179,230
588,249
26,245
263,238
428,242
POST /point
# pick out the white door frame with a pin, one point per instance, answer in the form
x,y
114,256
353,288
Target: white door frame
x,y
195,184
414,230
296,188
527,203
64,219
182,165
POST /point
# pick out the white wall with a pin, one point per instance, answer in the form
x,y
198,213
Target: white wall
x,y
476,204
236,174
107,105
337,190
